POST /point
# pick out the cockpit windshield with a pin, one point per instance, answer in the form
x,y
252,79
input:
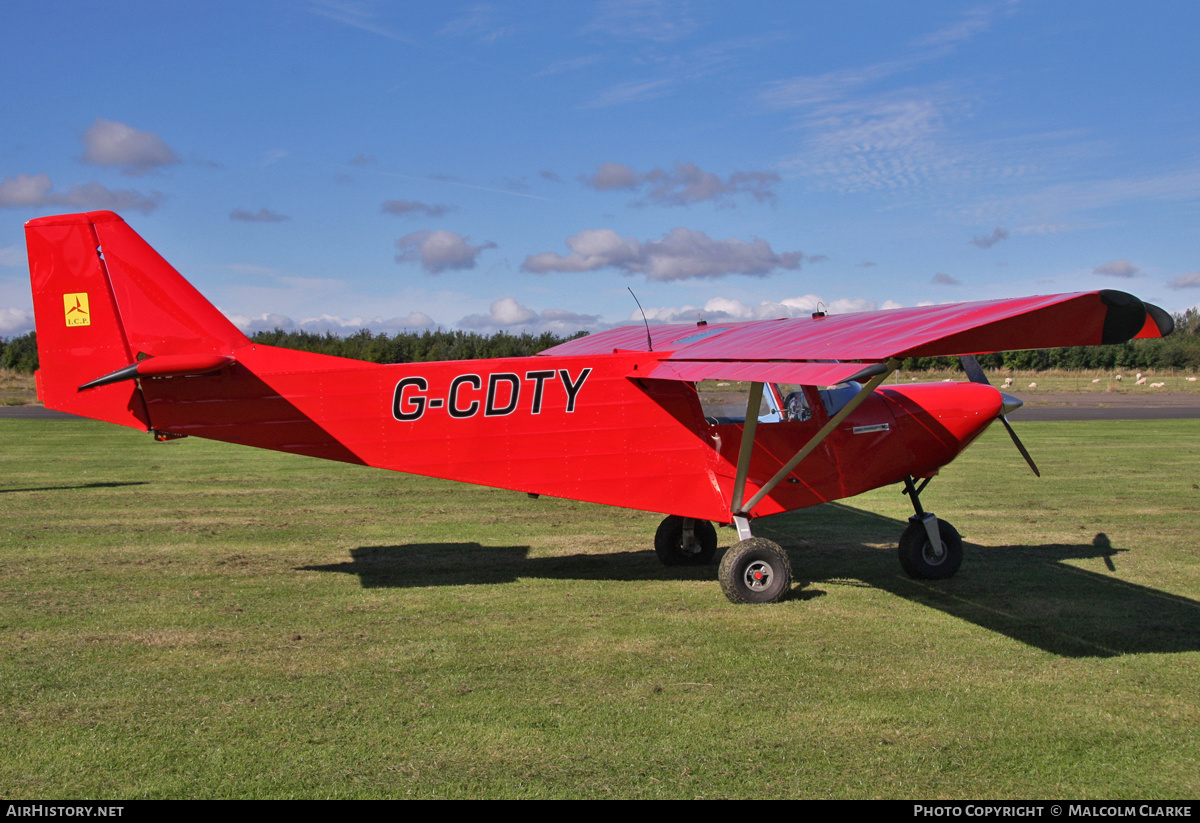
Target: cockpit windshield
x,y
793,402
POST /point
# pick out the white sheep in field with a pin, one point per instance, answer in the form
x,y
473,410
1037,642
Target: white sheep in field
x,y
1117,378
1097,380
1139,377
1190,379
1140,381
1157,385
1033,385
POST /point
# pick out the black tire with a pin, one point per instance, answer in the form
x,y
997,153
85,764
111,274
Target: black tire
x,y
755,571
917,557
668,543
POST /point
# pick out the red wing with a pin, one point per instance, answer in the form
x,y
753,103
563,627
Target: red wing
x,y
1081,319
807,374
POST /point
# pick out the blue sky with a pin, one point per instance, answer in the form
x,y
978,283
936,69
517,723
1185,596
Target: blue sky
x,y
340,165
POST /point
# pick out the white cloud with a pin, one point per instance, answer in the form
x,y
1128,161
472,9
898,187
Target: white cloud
x,y
988,240
261,216
725,309
15,321
1191,280
632,92
439,250
684,184
35,190
653,20
1182,184
357,16
341,325
591,249
25,190
862,130
405,208
1118,268
681,254
564,321
973,21
860,136
115,145
612,176
809,90
269,321
507,314
892,140
477,23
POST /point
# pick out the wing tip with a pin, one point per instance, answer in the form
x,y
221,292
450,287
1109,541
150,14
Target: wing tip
x,y
1127,318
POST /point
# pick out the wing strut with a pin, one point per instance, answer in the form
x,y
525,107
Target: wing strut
x,y
747,446
741,509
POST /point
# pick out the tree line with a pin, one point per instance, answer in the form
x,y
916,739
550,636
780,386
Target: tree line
x,y
1179,351
20,353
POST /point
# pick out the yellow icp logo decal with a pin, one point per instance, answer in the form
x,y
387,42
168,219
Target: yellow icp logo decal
x,y
76,308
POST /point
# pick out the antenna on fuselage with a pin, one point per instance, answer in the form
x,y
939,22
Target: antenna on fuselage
x,y
649,342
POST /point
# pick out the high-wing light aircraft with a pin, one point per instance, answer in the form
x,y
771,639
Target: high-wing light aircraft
x,y
613,418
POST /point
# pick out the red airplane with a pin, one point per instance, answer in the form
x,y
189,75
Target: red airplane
x,y
613,418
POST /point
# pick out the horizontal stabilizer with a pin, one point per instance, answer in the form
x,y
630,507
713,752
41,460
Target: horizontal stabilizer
x,y
168,365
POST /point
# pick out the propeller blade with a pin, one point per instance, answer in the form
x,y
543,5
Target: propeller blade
x,y
1010,404
974,372
1020,446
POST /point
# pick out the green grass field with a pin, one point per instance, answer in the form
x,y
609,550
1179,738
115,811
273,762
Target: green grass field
x,y
196,620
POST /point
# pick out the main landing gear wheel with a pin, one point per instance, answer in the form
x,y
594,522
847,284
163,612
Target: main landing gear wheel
x,y
755,571
921,560
675,547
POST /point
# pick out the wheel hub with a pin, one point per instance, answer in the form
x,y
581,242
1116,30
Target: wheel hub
x,y
758,575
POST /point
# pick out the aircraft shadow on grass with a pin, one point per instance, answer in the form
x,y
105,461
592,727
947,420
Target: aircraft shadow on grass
x,y
1022,591
76,487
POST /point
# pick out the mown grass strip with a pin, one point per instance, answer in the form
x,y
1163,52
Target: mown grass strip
x,y
195,620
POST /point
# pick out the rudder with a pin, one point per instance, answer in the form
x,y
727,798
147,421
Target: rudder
x,y
104,300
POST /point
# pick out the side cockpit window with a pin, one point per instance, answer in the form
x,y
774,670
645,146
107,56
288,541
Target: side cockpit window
x,y
725,402
835,397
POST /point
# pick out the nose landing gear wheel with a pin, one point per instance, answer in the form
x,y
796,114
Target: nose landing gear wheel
x,y
755,571
921,560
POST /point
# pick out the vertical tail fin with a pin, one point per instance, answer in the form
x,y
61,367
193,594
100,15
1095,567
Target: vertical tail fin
x,y
103,300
